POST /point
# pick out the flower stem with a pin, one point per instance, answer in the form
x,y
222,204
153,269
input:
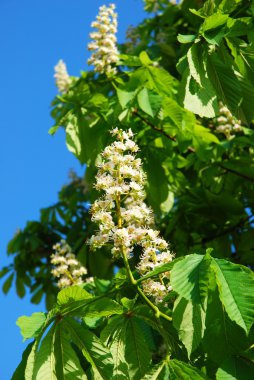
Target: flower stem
x,y
155,309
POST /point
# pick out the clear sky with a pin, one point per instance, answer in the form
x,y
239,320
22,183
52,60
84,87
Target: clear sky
x,y
34,35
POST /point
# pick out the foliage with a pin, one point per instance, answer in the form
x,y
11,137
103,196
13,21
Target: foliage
x,y
173,71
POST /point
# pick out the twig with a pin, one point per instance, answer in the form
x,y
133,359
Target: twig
x,y
147,122
228,230
245,176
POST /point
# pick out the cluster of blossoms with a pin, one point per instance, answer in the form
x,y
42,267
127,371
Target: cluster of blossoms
x,y
67,268
63,80
104,48
124,219
226,123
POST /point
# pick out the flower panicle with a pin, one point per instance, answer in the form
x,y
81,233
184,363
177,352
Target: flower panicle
x,y
123,218
62,78
226,123
103,44
66,267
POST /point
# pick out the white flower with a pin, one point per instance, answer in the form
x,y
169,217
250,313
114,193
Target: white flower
x,y
103,43
66,265
61,76
226,123
124,219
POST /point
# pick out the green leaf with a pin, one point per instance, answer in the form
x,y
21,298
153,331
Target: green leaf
x,y
157,195
128,346
53,130
4,271
31,326
225,82
114,337
19,373
160,81
71,299
186,39
180,370
189,321
190,277
128,60
67,363
144,102
20,287
237,296
214,28
84,136
196,90
137,353
220,331
236,368
31,360
92,348
160,269
174,370
73,138
103,307
125,97
214,21
158,372
144,58
45,361
8,283
242,166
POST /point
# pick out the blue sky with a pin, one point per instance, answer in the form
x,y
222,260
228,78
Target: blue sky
x,y
34,35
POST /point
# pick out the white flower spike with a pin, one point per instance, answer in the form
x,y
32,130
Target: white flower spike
x,y
226,123
124,219
67,268
103,43
63,80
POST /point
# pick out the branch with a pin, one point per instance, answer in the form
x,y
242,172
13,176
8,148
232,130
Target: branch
x,y
228,230
245,176
147,122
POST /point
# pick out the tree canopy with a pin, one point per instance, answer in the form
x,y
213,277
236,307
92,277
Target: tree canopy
x,y
183,82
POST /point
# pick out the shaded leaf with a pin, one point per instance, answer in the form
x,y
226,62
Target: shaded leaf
x,y
92,348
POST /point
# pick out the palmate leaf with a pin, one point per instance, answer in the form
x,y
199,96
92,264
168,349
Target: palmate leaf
x,y
53,358
190,279
92,348
174,370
